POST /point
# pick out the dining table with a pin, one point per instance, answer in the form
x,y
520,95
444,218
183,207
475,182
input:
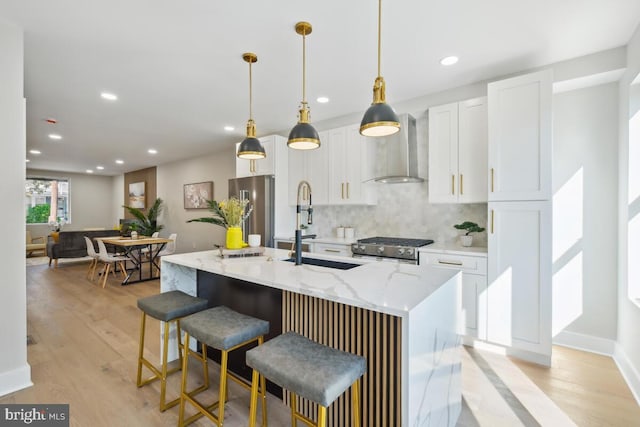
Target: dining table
x,y
134,250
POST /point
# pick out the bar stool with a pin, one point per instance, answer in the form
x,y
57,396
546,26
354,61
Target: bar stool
x,y
167,307
307,369
225,330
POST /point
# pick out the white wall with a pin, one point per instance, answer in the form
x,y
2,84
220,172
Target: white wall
x,y
117,195
91,201
217,167
15,372
628,350
585,175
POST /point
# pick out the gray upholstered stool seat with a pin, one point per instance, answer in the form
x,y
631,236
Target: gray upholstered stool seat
x,y
167,307
222,328
308,369
171,305
225,330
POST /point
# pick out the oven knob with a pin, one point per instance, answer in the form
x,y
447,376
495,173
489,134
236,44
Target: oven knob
x,y
362,248
354,247
409,251
381,249
400,251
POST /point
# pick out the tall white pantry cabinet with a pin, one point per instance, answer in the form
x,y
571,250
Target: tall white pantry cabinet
x,y
519,214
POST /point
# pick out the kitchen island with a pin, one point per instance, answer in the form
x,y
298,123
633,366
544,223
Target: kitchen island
x,y
402,318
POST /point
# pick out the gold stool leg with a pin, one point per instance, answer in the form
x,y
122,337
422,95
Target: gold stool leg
x,y
222,396
254,399
294,407
183,385
163,378
322,416
355,402
143,318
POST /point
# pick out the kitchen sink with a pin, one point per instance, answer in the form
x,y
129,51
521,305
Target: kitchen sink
x,y
326,263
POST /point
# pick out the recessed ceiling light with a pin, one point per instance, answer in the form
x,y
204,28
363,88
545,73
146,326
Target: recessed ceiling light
x,y
100,168
109,96
54,136
449,60
35,151
89,170
119,161
229,128
322,99
152,151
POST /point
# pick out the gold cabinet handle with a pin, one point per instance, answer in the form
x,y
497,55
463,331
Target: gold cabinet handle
x,y
453,184
492,173
252,165
492,221
461,185
335,251
449,262
342,190
348,196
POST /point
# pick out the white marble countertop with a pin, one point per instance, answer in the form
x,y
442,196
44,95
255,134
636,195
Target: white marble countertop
x,y
332,240
387,287
455,249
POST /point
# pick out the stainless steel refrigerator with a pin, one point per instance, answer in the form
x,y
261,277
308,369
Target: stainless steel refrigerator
x,y
260,191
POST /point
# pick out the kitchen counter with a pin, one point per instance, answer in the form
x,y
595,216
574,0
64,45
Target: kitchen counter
x,y
385,287
402,318
454,249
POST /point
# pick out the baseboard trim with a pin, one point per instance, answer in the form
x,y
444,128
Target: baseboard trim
x,y
628,371
15,380
585,342
529,356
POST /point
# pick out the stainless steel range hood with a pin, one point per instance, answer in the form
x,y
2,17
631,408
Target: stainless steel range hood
x,y
397,160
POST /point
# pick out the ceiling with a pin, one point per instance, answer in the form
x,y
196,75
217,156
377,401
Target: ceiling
x,y
177,66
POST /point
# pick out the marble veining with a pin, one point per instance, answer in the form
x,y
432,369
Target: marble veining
x,y
391,288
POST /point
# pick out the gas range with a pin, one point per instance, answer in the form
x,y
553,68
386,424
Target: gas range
x,y
389,248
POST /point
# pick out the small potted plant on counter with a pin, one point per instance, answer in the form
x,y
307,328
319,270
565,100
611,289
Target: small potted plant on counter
x,y
470,227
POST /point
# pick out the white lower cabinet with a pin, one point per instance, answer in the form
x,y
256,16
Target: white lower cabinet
x,y
473,311
519,285
332,249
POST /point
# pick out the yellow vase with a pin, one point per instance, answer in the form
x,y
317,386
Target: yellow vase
x,y
234,238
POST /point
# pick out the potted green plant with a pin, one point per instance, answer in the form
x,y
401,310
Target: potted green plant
x,y
147,224
229,214
469,227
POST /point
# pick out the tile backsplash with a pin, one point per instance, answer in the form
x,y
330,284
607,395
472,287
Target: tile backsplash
x,y
403,210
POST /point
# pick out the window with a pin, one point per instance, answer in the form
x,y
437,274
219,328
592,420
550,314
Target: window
x,y
46,200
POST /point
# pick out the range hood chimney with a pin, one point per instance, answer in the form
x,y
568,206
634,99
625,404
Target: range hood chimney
x,y
398,154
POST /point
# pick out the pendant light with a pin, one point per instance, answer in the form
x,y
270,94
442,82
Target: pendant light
x,y
303,136
379,119
251,148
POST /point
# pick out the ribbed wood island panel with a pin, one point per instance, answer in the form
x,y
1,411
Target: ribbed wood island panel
x,y
374,335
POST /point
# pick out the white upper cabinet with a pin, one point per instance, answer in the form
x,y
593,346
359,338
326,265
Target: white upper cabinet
x,y
351,166
266,166
520,136
458,152
311,166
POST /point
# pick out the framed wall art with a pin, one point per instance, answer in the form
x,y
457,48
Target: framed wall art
x,y
136,195
198,194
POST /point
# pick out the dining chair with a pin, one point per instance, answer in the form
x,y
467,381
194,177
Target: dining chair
x,y
108,259
170,247
145,251
91,251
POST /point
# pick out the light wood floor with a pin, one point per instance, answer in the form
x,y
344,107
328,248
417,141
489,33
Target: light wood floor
x,y
85,347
